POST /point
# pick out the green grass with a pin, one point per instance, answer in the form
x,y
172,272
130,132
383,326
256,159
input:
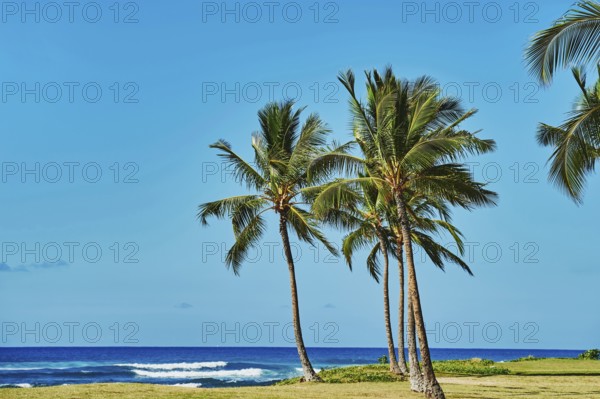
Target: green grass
x,y
564,367
540,379
381,372
352,374
470,367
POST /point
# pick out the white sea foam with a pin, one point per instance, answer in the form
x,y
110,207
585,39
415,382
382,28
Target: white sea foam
x,y
24,385
19,368
36,368
48,366
175,366
244,373
188,385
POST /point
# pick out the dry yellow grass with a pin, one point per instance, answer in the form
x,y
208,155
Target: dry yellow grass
x,y
496,387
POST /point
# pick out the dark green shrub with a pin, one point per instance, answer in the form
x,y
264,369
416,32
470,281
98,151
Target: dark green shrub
x,y
591,354
383,360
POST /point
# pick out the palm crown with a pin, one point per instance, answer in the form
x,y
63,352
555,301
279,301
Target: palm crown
x,y
283,150
409,136
576,142
371,219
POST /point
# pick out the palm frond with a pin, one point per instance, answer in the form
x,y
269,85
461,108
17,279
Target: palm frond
x,y
574,39
373,266
575,154
242,170
244,241
437,253
223,208
305,227
358,239
336,193
336,159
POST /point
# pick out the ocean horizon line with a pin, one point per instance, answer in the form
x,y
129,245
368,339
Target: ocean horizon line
x,y
273,347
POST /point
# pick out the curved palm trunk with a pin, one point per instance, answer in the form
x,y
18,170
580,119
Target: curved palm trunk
x,y
431,385
401,355
386,306
416,377
309,372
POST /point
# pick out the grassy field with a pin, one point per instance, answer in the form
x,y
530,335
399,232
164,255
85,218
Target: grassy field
x,y
541,379
564,367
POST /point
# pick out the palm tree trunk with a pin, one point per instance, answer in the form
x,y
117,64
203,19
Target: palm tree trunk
x,y
432,387
416,378
386,305
307,368
401,355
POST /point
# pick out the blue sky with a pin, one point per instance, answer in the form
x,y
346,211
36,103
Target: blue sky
x,y
112,120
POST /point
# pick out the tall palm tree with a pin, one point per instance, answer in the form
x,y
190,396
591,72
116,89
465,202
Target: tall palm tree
x,y
283,150
572,40
576,142
411,140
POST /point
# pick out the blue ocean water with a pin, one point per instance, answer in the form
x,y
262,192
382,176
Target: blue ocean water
x,y
200,366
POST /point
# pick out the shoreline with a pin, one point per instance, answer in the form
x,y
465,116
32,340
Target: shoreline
x,y
540,378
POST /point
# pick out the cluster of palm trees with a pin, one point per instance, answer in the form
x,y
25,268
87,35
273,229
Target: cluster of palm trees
x,y
393,185
391,188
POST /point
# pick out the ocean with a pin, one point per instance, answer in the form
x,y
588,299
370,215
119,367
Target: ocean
x,y
199,366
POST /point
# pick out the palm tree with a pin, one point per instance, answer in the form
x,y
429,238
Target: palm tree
x,y
572,40
283,149
576,142
410,139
